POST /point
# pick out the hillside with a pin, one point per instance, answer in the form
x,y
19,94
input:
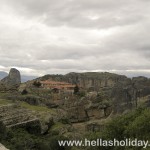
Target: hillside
x,y
32,112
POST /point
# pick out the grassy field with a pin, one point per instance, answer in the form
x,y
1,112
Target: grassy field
x,y
36,108
5,102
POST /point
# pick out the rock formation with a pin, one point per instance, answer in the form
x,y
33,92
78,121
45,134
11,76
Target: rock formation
x,y
14,116
12,81
123,92
2,147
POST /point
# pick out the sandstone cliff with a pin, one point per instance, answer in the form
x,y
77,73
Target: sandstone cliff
x,y
12,81
121,91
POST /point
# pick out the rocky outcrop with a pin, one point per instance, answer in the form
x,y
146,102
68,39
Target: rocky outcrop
x,y
98,112
94,127
75,110
91,80
14,116
141,86
85,109
12,81
122,93
2,147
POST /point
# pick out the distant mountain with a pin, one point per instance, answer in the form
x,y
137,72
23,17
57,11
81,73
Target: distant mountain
x,y
27,78
3,74
23,77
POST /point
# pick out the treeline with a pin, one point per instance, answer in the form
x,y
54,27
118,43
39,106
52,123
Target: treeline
x,y
135,124
20,139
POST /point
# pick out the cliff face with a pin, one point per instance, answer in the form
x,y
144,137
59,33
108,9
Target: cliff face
x,y
90,80
95,80
121,91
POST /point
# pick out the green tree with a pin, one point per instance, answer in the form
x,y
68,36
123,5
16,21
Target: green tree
x,y
24,92
37,83
76,89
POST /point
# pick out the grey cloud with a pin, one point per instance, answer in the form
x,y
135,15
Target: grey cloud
x,y
76,13
73,35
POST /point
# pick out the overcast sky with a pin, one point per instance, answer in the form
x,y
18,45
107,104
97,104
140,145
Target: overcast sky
x,y
60,36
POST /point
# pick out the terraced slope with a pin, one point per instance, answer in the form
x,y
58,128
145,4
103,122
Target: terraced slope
x,y
13,115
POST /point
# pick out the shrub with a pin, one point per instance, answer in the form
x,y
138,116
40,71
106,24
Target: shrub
x,y
24,92
76,89
37,84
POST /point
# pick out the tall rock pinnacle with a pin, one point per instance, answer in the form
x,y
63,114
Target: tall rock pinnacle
x,y
13,80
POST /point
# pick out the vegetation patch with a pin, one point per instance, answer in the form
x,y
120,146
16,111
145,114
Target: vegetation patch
x,y
5,102
36,108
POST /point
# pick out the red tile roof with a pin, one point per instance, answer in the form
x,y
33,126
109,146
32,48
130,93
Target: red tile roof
x,y
55,84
